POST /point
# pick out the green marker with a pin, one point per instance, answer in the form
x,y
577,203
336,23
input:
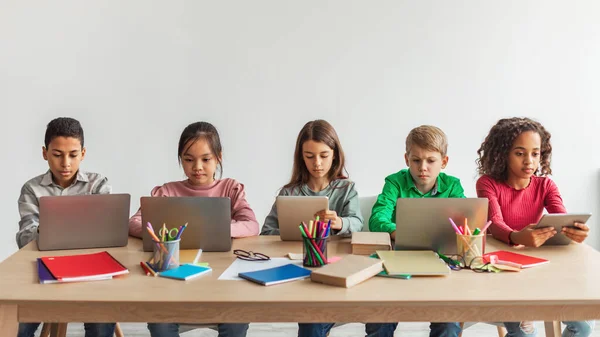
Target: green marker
x,y
447,259
476,232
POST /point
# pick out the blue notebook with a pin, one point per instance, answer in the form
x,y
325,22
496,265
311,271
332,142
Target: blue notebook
x,y
44,274
185,272
286,273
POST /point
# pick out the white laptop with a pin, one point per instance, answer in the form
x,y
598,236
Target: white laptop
x,y
292,210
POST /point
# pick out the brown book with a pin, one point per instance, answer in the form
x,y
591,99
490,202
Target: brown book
x,y
367,243
347,272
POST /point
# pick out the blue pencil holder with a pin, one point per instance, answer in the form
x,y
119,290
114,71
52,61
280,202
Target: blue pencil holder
x,y
165,255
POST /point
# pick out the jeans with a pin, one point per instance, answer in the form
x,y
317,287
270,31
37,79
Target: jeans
x,y
314,329
91,329
435,329
572,329
172,329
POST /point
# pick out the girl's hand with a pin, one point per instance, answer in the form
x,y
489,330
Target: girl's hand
x,y
577,234
531,237
326,215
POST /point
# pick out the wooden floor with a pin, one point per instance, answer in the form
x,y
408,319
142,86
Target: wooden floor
x,y
290,330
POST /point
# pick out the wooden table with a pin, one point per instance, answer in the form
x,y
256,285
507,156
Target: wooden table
x,y
567,288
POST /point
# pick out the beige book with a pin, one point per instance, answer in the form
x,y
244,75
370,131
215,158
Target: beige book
x,y
413,262
367,243
349,271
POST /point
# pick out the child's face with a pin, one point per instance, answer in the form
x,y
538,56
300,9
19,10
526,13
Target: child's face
x,y
524,156
64,154
318,158
424,166
199,163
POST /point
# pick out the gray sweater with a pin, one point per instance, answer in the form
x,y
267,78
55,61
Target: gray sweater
x,y
343,199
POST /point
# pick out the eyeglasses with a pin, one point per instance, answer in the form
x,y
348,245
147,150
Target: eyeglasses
x,y
479,265
250,255
457,262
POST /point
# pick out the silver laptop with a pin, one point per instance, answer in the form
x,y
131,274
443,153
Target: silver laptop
x,y
83,221
292,210
423,223
208,219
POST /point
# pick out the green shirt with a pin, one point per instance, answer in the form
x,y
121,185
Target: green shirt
x,y
401,185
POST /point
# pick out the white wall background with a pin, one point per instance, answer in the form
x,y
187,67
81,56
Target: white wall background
x,y
135,73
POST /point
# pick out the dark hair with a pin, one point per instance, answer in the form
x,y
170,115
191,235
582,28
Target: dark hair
x,y
494,151
63,127
319,131
201,130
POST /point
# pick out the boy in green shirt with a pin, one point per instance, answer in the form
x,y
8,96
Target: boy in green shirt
x,y
426,148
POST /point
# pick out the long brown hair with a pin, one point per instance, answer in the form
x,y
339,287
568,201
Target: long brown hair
x,y
319,131
494,151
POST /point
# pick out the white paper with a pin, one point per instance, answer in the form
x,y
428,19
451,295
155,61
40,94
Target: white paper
x,y
243,266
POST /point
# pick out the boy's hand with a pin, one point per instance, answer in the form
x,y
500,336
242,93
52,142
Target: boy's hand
x,y
576,234
326,215
531,237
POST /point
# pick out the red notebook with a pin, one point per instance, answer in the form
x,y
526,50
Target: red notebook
x,y
80,267
525,261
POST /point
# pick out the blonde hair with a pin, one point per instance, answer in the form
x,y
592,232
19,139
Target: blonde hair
x,y
428,137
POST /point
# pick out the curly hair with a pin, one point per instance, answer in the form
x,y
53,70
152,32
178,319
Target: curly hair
x,y
63,127
494,151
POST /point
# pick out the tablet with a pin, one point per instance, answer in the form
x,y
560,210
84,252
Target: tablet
x,y
292,210
558,221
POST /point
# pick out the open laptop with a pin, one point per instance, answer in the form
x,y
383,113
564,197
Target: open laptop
x,y
422,223
83,221
208,219
292,210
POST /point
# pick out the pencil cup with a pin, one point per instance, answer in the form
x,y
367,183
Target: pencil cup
x,y
470,247
314,251
165,255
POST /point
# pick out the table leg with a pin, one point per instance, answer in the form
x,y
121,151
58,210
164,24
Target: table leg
x,y
9,326
552,329
58,330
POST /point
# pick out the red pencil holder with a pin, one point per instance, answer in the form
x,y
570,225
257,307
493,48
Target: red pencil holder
x,y
314,251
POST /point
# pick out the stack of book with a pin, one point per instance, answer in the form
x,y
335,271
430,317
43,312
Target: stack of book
x,y
367,243
77,268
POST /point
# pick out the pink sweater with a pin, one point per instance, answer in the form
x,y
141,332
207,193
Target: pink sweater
x,y
243,220
512,210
